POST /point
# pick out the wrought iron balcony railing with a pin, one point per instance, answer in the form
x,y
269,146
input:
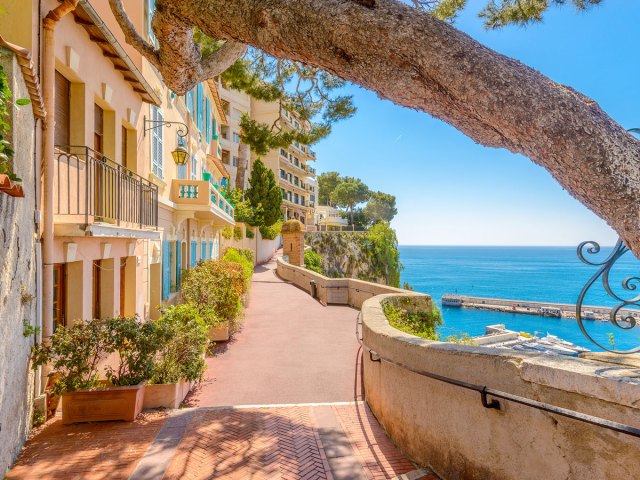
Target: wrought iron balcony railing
x,y
89,187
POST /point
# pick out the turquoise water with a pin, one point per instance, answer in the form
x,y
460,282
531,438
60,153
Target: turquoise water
x,y
551,274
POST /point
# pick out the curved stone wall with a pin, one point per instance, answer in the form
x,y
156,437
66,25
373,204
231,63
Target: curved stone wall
x,y
447,428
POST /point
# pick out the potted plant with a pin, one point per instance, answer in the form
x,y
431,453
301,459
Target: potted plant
x,y
182,334
215,288
80,353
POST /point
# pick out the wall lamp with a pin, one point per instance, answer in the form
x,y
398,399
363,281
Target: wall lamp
x,y
180,155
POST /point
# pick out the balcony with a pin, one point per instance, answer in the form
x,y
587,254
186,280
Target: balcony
x,y
94,194
201,200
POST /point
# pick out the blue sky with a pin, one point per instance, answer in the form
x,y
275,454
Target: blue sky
x,y
451,191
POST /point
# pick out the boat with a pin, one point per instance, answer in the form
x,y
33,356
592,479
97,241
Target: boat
x,y
449,300
550,312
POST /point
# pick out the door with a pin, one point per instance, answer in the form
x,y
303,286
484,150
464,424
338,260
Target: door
x,y
62,132
123,265
59,295
96,288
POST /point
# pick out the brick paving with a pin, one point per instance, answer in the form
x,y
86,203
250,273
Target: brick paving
x,y
296,364
87,451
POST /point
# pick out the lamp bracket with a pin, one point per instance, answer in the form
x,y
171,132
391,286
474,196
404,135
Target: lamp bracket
x,y
182,130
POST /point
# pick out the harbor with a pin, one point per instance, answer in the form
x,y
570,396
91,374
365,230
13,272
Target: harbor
x,y
544,309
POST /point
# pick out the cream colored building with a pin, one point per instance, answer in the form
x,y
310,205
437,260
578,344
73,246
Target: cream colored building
x,y
236,155
296,178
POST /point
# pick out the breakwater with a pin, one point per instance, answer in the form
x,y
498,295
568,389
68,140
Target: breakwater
x,y
563,310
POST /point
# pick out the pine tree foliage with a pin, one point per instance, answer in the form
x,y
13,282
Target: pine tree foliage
x,y
307,92
264,195
499,13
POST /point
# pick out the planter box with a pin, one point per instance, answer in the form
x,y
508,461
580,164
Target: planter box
x,y
103,404
9,187
219,334
167,395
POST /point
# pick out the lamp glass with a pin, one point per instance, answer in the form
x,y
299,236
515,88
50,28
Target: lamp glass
x,y
180,155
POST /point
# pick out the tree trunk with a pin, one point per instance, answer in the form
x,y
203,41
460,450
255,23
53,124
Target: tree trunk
x,y
417,61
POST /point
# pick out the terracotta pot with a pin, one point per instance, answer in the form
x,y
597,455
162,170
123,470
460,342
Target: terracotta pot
x,y
219,334
15,190
166,395
5,182
103,404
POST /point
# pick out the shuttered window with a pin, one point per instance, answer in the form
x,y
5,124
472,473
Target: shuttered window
x,y
63,111
203,250
207,116
178,264
194,253
98,129
166,269
157,143
199,107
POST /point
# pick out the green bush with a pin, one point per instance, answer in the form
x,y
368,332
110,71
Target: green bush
x,y
412,316
74,354
237,233
312,261
240,257
215,286
136,344
272,232
227,232
249,233
247,253
183,333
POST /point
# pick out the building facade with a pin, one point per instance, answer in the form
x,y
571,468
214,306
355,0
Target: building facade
x,y
295,176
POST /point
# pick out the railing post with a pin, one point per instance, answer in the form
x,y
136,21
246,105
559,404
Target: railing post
x,y
87,166
141,199
118,199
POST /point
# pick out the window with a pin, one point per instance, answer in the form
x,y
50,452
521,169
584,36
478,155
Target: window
x,y
98,129
283,152
151,7
199,107
289,177
237,113
296,161
96,288
194,168
59,295
207,116
301,200
124,140
188,100
235,161
284,193
296,198
236,137
157,141
296,180
283,174
63,111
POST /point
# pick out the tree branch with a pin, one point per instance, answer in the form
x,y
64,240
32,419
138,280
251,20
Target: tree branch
x,y
222,59
131,35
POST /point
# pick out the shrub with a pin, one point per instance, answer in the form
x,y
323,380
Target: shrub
x,y
312,261
74,353
248,233
183,333
237,233
215,287
272,232
462,339
227,232
413,315
239,257
247,253
136,344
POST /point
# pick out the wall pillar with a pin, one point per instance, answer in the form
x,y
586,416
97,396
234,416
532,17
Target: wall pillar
x,y
293,242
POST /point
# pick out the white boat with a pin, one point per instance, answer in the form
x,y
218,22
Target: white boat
x,y
451,300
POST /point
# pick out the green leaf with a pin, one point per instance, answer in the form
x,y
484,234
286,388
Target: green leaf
x,y
23,101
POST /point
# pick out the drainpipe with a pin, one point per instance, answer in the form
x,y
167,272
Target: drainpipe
x,y
48,152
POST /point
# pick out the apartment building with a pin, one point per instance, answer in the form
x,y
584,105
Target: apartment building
x,y
296,178
236,155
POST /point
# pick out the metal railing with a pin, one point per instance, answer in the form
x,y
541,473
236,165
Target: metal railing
x,y
91,186
489,395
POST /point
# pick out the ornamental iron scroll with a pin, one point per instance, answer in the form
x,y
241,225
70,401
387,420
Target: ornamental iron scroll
x,y
619,316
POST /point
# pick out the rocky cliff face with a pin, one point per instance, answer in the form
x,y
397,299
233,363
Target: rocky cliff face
x,y
347,254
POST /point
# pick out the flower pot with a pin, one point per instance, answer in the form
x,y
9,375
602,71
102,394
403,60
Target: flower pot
x,y
103,404
166,395
219,334
5,182
15,190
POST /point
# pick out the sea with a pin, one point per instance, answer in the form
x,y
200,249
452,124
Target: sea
x,y
545,274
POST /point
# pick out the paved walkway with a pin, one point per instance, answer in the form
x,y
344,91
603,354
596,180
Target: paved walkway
x,y
281,401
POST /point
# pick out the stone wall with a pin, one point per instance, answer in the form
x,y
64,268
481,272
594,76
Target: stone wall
x,y
446,427
17,279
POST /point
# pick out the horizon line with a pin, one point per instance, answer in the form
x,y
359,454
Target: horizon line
x,y
495,246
